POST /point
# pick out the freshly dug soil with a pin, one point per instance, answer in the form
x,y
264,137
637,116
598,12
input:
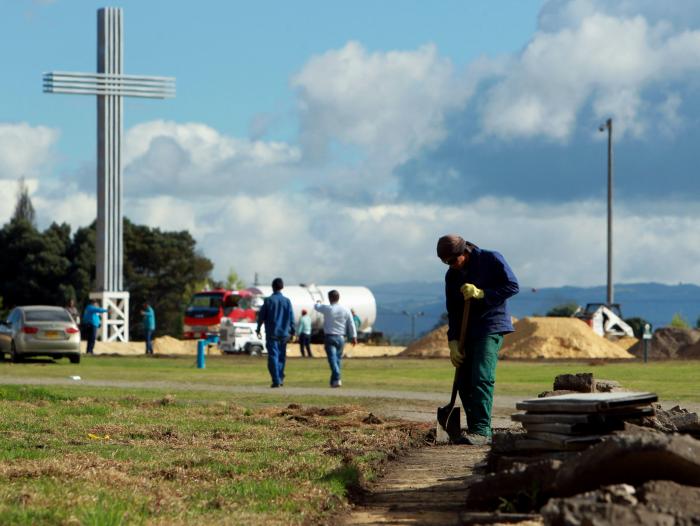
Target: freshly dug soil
x,y
432,345
170,345
546,338
667,342
690,352
626,342
549,337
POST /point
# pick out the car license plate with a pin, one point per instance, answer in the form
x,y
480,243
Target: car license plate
x,y
54,335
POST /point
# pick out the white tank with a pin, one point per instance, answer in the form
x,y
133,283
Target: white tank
x,y
359,299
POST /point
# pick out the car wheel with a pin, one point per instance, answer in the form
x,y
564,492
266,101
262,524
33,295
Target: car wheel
x,y
14,354
255,350
74,358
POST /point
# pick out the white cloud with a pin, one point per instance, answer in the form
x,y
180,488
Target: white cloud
x,y
605,60
74,207
174,159
8,198
323,241
390,104
559,14
25,151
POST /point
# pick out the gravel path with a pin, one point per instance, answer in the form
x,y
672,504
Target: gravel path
x,y
424,487
410,405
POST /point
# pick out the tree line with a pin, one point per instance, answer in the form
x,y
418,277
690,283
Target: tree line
x,y
53,266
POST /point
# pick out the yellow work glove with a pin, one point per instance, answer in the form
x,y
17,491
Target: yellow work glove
x,y
456,356
470,291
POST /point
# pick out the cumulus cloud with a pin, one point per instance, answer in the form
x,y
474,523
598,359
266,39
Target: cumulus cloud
x,y
322,241
583,56
559,14
25,151
179,159
390,104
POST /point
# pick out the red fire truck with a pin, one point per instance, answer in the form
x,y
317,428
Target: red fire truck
x,y
207,308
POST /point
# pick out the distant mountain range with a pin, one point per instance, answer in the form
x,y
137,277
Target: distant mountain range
x,y
399,303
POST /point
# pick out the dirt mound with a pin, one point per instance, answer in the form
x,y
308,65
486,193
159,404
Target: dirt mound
x,y
550,338
690,352
170,345
432,345
626,342
534,338
667,343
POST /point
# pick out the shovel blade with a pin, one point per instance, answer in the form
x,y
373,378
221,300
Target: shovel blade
x,y
448,424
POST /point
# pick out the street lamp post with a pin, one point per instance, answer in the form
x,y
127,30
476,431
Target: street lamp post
x,y
609,126
413,317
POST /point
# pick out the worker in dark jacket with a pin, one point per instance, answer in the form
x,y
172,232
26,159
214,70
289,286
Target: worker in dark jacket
x,y
484,278
276,313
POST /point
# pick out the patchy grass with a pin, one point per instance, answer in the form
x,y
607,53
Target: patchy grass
x,y
74,459
160,452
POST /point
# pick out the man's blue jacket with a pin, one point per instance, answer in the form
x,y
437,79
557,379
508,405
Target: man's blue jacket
x,y
277,315
91,315
149,319
489,271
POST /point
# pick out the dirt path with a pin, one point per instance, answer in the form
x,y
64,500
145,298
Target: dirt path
x,y
424,487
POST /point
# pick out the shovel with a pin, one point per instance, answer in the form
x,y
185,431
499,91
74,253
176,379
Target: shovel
x,y
448,420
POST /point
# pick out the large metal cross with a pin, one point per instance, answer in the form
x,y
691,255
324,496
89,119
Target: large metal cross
x,y
109,84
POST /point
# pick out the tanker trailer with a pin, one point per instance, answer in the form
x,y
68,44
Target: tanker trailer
x,y
303,296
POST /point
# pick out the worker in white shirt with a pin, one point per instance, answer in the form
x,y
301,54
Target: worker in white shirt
x,y
337,325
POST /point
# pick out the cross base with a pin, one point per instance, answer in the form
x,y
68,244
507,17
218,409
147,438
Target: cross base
x,y
115,322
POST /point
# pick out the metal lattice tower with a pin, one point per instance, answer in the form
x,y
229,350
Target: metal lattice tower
x,y
110,85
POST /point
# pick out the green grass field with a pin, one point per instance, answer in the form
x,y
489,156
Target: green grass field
x,y
164,453
671,380
73,456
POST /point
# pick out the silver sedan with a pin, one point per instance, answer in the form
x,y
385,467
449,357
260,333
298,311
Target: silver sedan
x,y
40,331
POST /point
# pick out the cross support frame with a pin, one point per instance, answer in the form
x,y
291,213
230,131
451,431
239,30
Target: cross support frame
x,y
110,85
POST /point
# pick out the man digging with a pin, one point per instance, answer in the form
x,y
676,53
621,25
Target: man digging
x,y
484,278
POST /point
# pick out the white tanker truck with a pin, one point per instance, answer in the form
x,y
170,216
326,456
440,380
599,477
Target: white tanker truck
x,y
359,299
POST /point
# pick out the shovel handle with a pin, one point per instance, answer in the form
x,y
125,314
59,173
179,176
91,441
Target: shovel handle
x,y
463,331
462,341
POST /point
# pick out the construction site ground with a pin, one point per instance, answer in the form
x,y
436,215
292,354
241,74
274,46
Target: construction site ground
x,y
424,486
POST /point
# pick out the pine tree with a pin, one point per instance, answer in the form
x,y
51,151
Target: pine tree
x,y
24,210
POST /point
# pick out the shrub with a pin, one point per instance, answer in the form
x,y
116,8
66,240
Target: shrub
x,y
563,311
679,322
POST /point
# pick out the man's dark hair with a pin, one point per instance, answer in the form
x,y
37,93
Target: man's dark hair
x,y
277,284
333,296
453,245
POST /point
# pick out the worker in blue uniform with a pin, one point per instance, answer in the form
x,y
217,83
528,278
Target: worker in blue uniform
x,y
485,279
277,315
91,323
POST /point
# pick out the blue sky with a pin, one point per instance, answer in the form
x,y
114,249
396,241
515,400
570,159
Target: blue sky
x,y
328,141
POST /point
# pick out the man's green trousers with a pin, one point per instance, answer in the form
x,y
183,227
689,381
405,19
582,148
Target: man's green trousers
x,y
477,377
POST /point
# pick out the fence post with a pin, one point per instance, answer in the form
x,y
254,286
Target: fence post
x,y
200,354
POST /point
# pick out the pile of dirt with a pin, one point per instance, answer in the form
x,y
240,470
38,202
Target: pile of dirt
x,y
669,343
115,348
553,338
162,345
546,338
626,342
170,345
690,352
432,345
